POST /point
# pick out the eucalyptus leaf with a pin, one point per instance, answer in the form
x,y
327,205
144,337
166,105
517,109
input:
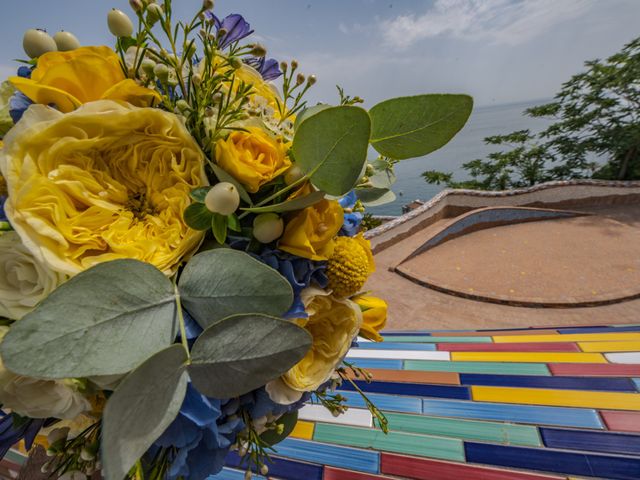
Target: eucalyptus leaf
x,y
290,205
198,216
408,127
219,227
243,352
222,282
141,409
372,197
383,179
288,421
105,320
331,147
223,176
309,112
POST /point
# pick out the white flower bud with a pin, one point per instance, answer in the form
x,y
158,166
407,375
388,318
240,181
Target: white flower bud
x,y
223,198
87,455
119,23
264,469
36,42
247,475
267,227
183,105
196,78
207,4
154,13
162,72
57,434
66,41
147,66
293,175
136,5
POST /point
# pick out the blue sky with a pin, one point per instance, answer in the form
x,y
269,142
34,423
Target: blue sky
x,y
499,51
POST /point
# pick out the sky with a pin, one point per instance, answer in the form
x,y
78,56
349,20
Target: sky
x,y
498,51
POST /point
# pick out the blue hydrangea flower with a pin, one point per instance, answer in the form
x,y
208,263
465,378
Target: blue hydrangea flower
x,y
3,216
18,104
235,27
199,438
299,272
268,68
352,220
259,404
12,432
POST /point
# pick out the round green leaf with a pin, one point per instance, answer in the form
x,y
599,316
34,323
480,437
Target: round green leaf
x,y
222,282
297,203
309,112
198,216
372,197
331,146
243,352
105,320
141,409
408,127
288,422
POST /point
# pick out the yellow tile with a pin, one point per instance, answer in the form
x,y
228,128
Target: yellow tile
x,y
303,430
528,357
609,346
557,398
577,337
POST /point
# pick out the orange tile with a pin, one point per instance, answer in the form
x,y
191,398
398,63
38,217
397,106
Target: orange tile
x,y
414,376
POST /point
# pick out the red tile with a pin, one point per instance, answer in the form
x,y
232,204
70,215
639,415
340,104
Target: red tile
x,y
594,369
509,347
424,469
331,473
621,421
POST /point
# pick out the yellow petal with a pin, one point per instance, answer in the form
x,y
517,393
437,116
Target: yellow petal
x,y
64,101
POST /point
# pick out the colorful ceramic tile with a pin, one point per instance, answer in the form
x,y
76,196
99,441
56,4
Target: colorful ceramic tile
x,y
477,367
610,346
379,363
621,421
331,473
303,430
390,345
397,354
614,328
627,357
509,347
584,440
505,332
594,369
284,468
576,337
392,403
565,383
434,339
409,443
413,376
411,389
563,398
536,415
356,417
234,474
527,357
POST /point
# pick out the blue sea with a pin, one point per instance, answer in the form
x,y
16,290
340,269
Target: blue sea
x,y
466,146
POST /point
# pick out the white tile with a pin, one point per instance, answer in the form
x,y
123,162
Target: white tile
x,y
357,417
626,357
397,354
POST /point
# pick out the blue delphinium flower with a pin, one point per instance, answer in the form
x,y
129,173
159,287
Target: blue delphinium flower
x,y
352,220
199,438
18,104
268,68
235,28
11,432
299,272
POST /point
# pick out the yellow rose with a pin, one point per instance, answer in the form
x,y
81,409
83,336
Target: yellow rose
x,y
253,158
374,316
333,324
310,233
69,79
104,182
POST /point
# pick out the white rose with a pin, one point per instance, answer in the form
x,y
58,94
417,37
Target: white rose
x,y
24,281
37,398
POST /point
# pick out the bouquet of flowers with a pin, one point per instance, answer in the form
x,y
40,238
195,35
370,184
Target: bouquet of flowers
x,y
182,260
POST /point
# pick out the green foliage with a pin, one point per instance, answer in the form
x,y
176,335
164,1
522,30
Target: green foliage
x,y
243,352
198,216
218,283
141,408
409,127
331,147
94,324
596,116
284,426
297,203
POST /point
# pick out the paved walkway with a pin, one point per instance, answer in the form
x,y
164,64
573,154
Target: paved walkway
x,y
602,255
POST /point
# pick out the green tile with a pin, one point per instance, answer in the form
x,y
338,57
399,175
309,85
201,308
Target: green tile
x,y
15,457
478,367
495,432
406,443
427,339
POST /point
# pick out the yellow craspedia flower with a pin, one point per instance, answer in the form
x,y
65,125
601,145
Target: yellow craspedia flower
x,y
104,182
70,79
333,324
253,157
374,316
350,265
310,233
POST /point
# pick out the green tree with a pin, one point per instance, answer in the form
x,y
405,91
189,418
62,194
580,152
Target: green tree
x,y
596,133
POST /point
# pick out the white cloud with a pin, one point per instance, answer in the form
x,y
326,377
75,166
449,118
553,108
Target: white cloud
x,y
496,21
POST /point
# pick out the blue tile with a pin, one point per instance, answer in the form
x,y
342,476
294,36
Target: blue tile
x,y
231,474
385,402
388,364
567,383
628,328
603,442
324,454
636,383
561,416
428,347
413,389
592,465
283,468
